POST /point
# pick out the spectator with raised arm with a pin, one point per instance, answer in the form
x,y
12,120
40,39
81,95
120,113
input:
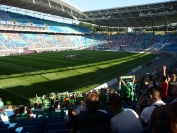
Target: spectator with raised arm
x,y
129,89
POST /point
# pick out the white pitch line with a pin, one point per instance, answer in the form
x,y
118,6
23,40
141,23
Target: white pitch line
x,y
18,81
16,94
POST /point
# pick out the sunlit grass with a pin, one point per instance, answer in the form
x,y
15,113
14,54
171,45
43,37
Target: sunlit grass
x,y
22,77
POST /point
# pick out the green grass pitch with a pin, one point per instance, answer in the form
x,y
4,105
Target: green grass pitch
x,y
21,77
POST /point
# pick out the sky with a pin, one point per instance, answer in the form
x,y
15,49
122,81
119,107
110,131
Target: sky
x,y
86,5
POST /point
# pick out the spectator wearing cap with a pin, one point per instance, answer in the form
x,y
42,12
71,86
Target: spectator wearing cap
x,y
92,121
125,120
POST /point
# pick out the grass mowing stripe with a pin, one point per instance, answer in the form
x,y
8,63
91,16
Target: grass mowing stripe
x,y
110,73
68,73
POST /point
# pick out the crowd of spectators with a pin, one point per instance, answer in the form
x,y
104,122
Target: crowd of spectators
x,y
137,42
104,111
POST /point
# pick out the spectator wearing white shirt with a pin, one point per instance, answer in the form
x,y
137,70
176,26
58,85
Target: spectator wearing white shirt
x,y
155,94
125,120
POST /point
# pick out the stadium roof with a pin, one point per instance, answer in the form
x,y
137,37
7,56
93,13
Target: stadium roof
x,y
155,14
61,8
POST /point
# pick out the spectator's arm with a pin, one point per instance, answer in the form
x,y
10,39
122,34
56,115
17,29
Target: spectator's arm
x,y
133,78
140,102
164,70
123,82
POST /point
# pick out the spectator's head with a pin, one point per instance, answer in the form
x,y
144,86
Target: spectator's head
x,y
71,106
114,102
0,99
29,111
58,107
21,110
92,101
10,107
164,119
47,95
111,90
71,113
163,79
155,94
173,77
16,111
151,78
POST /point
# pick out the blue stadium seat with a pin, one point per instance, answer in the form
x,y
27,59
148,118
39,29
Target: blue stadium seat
x,y
58,131
30,129
22,121
40,120
13,126
55,126
4,130
38,124
9,112
4,124
61,125
63,131
51,131
56,120
52,126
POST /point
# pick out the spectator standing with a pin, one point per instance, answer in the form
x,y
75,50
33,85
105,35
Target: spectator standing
x,y
155,94
164,87
103,97
47,103
1,103
125,120
170,84
92,121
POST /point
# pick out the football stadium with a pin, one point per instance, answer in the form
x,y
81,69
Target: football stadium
x,y
64,70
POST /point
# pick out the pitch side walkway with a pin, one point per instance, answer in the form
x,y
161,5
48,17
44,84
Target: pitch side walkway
x,y
163,60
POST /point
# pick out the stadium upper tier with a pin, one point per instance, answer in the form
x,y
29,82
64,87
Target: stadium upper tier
x,y
9,41
50,26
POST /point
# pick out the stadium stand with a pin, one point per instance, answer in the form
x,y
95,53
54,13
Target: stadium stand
x,y
92,111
